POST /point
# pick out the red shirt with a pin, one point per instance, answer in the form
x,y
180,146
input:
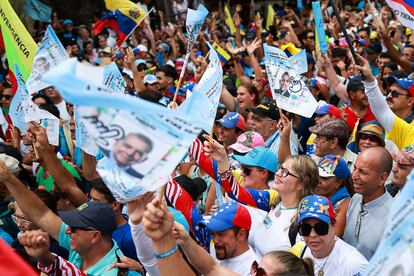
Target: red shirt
x,y
352,118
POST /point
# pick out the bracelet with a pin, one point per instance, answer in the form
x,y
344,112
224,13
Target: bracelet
x,y
166,254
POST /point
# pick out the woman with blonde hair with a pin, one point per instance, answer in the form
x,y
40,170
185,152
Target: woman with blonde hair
x,y
295,179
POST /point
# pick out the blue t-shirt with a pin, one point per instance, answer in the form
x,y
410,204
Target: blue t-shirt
x,y
122,236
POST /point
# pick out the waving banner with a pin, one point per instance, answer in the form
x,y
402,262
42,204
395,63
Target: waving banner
x,y
142,141
404,10
194,22
206,96
289,91
395,254
20,102
50,53
46,120
113,78
320,31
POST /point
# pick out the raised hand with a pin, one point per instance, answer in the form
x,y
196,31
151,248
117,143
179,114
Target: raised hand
x,y
254,46
214,149
136,207
157,220
36,243
364,68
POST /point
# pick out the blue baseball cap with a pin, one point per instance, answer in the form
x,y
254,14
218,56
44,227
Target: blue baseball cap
x,y
259,157
231,214
180,218
328,109
333,165
67,22
315,206
232,120
403,82
139,62
187,86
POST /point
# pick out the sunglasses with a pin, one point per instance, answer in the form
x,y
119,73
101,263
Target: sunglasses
x,y
321,228
395,93
311,37
247,171
369,137
228,65
142,67
256,270
7,97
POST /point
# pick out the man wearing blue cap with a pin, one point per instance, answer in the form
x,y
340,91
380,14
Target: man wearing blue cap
x,y
400,99
230,226
229,128
84,232
399,131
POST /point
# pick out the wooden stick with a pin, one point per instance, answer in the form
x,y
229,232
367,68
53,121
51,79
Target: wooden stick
x,y
187,56
162,192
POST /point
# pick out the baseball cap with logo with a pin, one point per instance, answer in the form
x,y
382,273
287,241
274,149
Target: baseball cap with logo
x,y
247,141
94,215
333,165
232,120
404,156
315,206
259,157
267,109
142,48
150,79
230,215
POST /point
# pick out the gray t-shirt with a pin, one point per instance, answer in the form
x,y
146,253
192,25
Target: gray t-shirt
x,y
365,223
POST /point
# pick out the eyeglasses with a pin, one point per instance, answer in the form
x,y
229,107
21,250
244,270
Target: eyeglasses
x,y
228,65
321,228
396,93
20,220
142,67
311,37
7,97
369,137
247,171
286,173
256,270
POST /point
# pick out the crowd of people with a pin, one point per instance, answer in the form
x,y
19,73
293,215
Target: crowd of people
x,y
267,193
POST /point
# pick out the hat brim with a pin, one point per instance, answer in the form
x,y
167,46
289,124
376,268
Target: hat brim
x,y
217,225
358,134
314,215
392,80
240,148
244,160
225,124
324,173
321,112
261,112
73,219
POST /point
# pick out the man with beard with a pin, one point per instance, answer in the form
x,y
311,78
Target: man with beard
x,y
230,226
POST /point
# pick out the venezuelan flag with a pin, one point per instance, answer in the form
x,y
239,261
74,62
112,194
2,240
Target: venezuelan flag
x,y
15,39
222,54
123,18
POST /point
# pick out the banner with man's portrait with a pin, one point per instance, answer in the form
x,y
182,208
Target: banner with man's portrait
x,y
284,75
50,53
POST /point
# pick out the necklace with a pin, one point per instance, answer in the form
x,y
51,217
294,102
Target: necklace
x,y
321,272
280,209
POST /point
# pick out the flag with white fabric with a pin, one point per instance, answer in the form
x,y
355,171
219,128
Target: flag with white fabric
x,y
288,88
142,141
113,78
45,119
50,53
20,103
404,11
206,96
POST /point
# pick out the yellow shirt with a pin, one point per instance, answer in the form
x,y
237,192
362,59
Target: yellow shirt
x,y
402,133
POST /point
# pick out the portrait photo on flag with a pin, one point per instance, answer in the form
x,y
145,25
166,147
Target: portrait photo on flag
x,y
288,89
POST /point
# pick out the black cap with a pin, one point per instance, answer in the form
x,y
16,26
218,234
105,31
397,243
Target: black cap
x,y
11,151
94,214
267,109
195,187
374,47
354,85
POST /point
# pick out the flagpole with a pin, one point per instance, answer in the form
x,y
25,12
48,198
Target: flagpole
x,y
187,56
117,48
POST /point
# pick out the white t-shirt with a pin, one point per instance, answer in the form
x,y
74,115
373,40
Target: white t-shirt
x,y
63,112
270,232
240,264
344,260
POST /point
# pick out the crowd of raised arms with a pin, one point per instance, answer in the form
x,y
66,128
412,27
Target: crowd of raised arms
x,y
268,192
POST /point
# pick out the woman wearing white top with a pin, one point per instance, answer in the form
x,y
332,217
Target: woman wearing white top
x,y
331,255
295,179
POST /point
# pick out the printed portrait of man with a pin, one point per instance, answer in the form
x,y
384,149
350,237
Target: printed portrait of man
x,y
41,65
131,150
284,84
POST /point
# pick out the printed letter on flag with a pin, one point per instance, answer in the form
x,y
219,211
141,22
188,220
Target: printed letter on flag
x,y
289,91
404,10
48,56
19,44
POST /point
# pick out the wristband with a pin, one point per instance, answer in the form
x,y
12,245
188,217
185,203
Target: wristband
x,y
166,254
